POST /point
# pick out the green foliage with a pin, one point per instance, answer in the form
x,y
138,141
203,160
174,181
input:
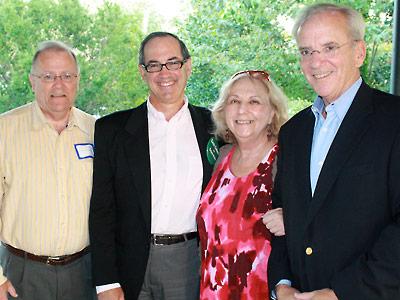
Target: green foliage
x,y
224,36
106,44
228,36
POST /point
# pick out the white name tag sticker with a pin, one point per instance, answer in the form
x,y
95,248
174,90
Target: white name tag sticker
x,y
84,151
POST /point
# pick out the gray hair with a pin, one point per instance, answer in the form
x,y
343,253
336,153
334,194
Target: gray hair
x,y
53,46
275,96
184,50
354,19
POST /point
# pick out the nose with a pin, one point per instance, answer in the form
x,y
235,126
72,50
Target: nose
x,y
242,107
316,58
57,80
163,68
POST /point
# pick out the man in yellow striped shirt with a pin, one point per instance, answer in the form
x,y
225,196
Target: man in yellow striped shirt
x,y
46,152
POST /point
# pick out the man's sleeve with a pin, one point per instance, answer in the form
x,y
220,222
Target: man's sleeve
x,y
376,273
278,262
2,183
102,215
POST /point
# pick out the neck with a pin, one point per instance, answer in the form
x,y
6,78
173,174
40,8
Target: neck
x,y
249,150
168,109
58,120
247,156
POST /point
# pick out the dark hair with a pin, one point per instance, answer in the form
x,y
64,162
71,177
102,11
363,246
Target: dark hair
x,y
56,46
184,50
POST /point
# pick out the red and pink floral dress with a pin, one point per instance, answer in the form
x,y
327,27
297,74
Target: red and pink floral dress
x,y
235,244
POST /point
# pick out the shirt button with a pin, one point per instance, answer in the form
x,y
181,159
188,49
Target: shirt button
x,y
309,250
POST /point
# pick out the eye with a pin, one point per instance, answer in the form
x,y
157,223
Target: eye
x,y
48,77
233,101
329,48
66,76
305,52
173,63
153,65
254,101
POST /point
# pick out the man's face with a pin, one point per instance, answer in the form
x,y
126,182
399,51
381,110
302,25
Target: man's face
x,y
330,77
166,87
57,97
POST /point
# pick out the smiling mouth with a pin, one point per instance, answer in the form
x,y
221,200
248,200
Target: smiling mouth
x,y
166,83
243,122
321,76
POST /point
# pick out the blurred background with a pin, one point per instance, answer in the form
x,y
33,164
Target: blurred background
x,y
222,36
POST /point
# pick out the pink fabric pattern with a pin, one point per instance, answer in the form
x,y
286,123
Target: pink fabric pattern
x,y
235,244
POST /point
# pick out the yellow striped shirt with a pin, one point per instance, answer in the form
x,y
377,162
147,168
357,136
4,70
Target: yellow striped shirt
x,y
45,187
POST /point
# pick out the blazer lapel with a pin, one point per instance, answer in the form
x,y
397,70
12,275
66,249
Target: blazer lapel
x,y
202,131
304,143
351,131
138,155
301,143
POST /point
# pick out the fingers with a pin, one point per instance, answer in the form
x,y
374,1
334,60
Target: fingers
x,y
7,288
278,230
273,220
303,296
112,294
11,290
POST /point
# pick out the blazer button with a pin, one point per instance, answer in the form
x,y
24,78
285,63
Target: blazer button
x,y
309,250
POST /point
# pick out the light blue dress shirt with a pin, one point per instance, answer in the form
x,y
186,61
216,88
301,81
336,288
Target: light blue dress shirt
x,y
325,129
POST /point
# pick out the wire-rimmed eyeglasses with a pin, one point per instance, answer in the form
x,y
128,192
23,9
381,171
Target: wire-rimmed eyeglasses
x,y
50,77
328,51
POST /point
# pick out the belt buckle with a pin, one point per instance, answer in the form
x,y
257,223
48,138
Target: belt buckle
x,y
155,241
53,258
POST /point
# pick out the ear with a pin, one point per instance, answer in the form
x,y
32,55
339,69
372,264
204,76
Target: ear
x,y
271,115
360,53
142,71
188,67
32,82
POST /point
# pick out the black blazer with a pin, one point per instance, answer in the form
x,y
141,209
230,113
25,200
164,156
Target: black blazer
x,y
352,223
120,207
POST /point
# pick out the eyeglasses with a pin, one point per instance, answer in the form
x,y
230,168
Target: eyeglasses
x,y
50,77
155,67
328,51
254,74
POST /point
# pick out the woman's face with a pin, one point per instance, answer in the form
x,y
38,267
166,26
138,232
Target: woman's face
x,y
248,111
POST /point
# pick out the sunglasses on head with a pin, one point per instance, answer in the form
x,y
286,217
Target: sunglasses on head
x,y
254,74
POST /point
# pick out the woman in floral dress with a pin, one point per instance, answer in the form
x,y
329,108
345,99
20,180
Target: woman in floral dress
x,y
235,243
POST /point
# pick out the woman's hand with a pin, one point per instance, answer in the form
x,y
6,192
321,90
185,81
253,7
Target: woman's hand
x,y
273,220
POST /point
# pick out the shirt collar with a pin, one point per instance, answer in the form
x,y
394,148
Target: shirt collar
x,y
76,119
341,105
154,113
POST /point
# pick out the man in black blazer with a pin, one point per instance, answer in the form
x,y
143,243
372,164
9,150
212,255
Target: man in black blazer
x,y
338,177
150,167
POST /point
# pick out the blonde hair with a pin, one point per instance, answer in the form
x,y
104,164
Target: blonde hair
x,y
275,96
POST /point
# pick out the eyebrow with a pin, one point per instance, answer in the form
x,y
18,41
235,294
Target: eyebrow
x,y
323,45
169,59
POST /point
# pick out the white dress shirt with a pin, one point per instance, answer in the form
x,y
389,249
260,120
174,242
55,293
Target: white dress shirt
x,y
176,174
